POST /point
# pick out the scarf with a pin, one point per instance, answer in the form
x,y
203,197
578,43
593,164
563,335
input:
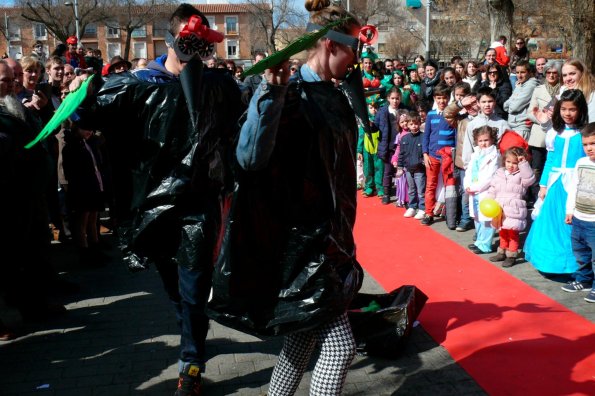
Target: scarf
x,y
552,89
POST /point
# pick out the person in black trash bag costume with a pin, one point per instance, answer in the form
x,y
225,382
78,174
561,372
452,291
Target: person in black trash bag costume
x,y
171,155
288,263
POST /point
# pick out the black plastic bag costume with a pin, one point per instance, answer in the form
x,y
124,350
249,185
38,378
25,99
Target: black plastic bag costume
x,y
288,257
171,164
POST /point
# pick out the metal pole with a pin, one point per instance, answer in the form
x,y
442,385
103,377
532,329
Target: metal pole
x,y
7,33
76,21
428,29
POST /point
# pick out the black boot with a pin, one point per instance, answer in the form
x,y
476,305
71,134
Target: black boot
x,y
510,259
500,256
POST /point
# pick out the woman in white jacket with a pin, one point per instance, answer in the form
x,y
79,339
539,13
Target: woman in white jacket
x,y
543,99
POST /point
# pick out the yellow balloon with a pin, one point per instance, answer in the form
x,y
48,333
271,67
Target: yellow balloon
x,y
489,208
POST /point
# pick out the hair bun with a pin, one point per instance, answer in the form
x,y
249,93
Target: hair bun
x,y
316,5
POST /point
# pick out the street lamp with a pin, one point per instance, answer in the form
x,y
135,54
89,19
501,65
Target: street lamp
x,y
429,4
75,7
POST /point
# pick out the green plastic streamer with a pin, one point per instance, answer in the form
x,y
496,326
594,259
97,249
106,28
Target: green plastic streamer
x,y
67,107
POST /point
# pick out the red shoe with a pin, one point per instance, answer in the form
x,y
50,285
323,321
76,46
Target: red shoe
x,y
5,334
189,383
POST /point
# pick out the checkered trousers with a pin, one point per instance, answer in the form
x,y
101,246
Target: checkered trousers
x,y
337,349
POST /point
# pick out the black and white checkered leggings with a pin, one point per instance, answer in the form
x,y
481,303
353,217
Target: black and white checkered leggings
x,y
337,351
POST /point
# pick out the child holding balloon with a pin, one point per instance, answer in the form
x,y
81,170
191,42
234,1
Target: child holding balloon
x,y
508,186
480,171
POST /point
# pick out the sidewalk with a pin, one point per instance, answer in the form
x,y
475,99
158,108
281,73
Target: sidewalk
x,y
119,337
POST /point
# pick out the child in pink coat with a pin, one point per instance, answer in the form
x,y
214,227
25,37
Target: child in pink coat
x,y
400,180
508,187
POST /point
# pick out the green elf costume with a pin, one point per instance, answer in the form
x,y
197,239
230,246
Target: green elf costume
x,y
367,146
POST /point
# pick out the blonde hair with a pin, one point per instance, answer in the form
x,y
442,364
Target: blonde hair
x,y
587,81
28,62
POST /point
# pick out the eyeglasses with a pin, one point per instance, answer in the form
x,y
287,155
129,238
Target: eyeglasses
x,y
69,74
520,42
551,72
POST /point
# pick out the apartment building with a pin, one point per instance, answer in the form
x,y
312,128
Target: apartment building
x,y
146,42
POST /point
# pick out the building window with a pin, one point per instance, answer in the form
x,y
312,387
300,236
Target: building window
x,y
39,32
231,25
90,30
140,32
412,26
15,52
111,30
113,49
212,23
14,32
381,48
383,26
160,28
232,49
140,49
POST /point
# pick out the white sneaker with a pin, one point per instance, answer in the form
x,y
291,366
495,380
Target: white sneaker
x,y
409,212
420,214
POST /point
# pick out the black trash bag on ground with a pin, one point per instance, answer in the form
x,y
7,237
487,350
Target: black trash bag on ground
x,y
383,332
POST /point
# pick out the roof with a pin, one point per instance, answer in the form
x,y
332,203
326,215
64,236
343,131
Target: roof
x,y
221,8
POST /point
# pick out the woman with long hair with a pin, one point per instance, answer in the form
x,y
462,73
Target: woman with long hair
x,y
520,52
498,81
472,75
299,138
576,75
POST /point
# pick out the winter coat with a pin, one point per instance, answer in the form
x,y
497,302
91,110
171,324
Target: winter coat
x,y
501,54
517,107
388,133
540,99
411,155
508,190
488,164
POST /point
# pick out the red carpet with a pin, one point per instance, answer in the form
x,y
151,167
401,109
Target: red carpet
x,y
511,338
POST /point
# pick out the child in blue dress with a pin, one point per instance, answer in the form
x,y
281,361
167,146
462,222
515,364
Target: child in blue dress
x,y
548,245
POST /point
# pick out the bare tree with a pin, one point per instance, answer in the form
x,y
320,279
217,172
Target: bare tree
x,y
583,31
501,18
133,15
270,17
59,18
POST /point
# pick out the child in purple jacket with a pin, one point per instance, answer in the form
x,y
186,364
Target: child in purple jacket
x,y
508,187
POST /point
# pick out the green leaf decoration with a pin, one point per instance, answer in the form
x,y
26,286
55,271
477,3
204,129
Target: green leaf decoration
x,y
298,45
67,107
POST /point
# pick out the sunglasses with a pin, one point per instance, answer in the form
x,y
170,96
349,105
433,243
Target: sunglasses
x,y
520,42
493,72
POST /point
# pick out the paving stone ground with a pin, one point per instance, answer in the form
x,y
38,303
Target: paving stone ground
x,y
119,337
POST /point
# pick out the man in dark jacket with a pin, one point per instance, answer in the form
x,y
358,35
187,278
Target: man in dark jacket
x,y
172,158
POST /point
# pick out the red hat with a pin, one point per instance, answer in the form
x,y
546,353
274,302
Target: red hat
x,y
105,70
72,40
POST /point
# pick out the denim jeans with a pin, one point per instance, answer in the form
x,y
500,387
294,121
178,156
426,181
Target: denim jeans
x,y
465,220
389,173
195,285
583,247
416,189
